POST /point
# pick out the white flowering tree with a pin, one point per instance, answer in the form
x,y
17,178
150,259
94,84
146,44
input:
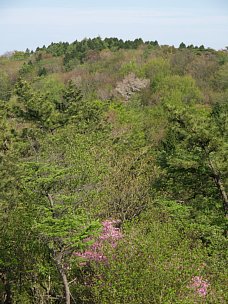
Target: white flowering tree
x,y
130,85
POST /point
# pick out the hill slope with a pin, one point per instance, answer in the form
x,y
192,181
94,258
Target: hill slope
x,y
113,173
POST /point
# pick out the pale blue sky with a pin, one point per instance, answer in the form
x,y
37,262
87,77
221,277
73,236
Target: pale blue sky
x,y
32,23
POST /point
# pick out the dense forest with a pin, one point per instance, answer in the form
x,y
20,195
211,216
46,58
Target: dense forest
x,y
113,169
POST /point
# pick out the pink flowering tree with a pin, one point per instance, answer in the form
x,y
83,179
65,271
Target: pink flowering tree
x,y
110,234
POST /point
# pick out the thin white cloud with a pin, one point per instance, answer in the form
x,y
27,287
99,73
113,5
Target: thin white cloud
x,y
73,17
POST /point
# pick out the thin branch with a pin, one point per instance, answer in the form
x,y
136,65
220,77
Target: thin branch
x,y
72,281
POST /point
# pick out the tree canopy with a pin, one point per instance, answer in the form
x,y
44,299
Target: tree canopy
x,y
113,168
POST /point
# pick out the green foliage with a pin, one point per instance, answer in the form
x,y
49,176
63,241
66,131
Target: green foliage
x,y
57,49
50,86
49,111
42,71
177,89
222,77
5,88
130,67
182,46
153,264
26,68
156,70
19,55
75,108
33,107
193,157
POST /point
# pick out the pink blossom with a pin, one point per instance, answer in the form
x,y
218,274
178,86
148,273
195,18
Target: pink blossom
x,y
199,285
109,234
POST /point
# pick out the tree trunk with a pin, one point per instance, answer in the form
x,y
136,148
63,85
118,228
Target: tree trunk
x,y
8,299
66,285
58,256
58,261
220,186
7,287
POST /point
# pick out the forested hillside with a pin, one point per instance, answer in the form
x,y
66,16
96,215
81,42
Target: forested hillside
x,y
113,169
